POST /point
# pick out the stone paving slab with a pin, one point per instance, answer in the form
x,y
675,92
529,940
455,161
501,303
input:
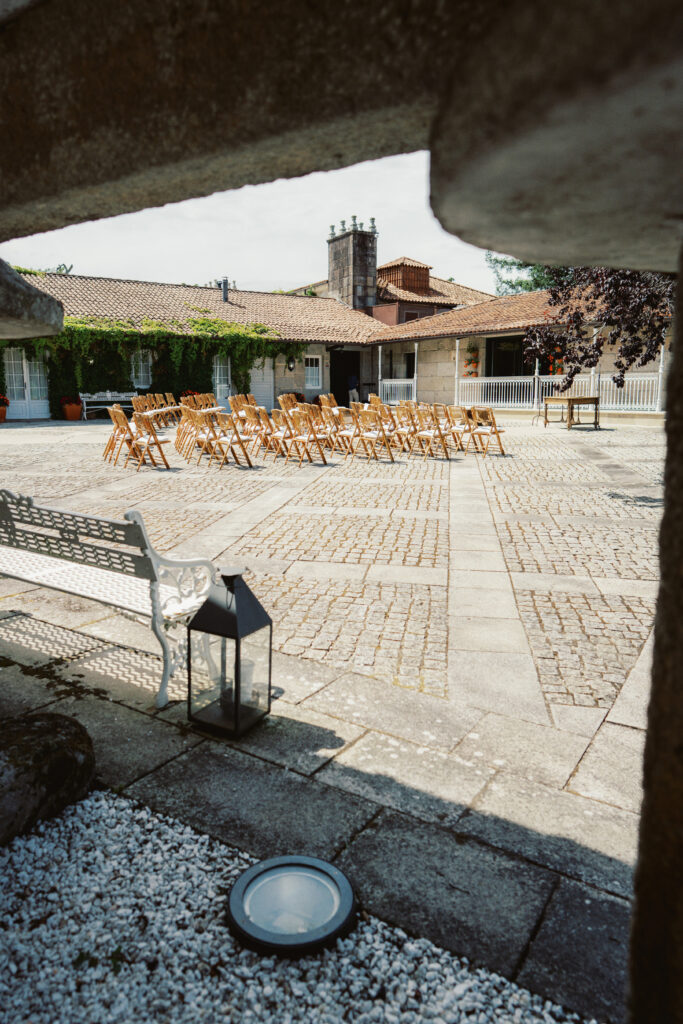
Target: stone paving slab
x,y
582,720
420,781
587,840
480,601
580,952
253,805
553,582
630,707
487,633
382,707
612,768
492,681
624,586
118,629
473,900
538,752
128,744
29,641
292,736
126,676
24,689
9,587
475,541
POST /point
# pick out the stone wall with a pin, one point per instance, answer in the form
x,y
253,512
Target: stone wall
x,y
286,380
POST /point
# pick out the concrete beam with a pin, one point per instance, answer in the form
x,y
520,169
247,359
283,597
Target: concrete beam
x,y
26,312
119,106
569,148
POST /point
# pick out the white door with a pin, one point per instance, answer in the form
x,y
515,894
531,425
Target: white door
x,y
221,380
263,383
26,386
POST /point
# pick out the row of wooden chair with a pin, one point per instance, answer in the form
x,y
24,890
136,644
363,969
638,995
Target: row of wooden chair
x,y
163,407
138,436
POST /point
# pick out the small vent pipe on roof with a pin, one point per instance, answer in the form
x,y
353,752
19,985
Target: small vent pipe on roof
x,y
225,288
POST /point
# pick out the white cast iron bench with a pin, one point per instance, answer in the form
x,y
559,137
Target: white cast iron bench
x,y
107,561
103,399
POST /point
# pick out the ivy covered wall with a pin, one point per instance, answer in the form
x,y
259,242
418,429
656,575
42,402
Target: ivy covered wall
x,y
93,354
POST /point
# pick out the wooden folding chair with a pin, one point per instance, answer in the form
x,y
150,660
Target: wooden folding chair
x,y
406,428
486,429
429,435
228,440
372,434
455,427
306,436
115,440
281,436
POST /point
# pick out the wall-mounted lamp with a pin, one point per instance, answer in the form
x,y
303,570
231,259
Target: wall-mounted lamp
x,y
291,363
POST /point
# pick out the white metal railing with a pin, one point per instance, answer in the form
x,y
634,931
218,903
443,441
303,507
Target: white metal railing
x,y
398,390
640,393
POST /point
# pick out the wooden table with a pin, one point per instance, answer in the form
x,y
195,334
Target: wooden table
x,y
572,402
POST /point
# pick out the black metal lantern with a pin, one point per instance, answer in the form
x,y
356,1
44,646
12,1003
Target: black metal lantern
x,y
229,643
291,363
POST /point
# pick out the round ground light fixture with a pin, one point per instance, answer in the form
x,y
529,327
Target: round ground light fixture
x,y
291,906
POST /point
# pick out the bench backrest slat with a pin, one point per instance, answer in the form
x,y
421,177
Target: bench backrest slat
x,y
49,531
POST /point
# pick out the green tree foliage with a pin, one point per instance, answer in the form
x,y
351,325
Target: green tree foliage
x,y
513,275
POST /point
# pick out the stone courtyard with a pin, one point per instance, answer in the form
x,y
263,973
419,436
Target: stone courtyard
x,y
461,666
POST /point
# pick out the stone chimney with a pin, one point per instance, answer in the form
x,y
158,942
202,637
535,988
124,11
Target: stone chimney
x,y
352,264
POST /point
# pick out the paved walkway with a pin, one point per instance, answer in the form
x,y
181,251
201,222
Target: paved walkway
x,y
461,665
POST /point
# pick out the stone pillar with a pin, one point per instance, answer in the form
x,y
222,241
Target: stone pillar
x,y
656,956
352,266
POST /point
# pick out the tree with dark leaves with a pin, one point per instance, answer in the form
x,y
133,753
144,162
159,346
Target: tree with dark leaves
x,y
595,307
628,310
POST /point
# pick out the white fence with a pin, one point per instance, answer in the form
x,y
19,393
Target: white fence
x,y
398,390
642,392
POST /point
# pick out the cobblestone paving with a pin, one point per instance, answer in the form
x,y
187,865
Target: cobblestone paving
x,y
617,551
395,632
561,503
340,538
558,502
531,471
428,497
584,646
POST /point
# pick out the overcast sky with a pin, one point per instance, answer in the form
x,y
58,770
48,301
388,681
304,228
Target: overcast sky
x,y
264,236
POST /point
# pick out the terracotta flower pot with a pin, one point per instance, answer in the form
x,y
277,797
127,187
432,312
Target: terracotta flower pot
x,y
3,413
72,411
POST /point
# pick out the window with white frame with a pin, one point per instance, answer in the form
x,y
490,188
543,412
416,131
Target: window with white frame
x,y
141,368
313,376
221,376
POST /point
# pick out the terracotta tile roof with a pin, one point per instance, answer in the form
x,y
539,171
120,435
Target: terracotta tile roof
x,y
293,317
404,261
507,313
441,293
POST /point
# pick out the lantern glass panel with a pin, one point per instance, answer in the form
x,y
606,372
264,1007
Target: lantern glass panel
x,y
255,670
213,672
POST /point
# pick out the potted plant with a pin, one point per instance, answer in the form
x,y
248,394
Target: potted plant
x,y
72,407
472,360
4,402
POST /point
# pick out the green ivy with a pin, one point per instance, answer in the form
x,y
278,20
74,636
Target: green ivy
x,y
94,353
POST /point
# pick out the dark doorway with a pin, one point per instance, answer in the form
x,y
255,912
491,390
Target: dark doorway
x,y
410,365
342,366
505,358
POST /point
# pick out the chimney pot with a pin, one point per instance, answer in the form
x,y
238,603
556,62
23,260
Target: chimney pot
x,y
225,286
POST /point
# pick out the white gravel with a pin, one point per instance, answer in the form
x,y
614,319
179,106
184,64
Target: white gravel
x,y
114,913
